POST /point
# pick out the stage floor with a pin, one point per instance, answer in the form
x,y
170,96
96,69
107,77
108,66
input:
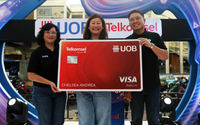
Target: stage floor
x,y
76,123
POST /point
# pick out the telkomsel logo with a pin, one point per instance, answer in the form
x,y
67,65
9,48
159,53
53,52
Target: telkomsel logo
x,y
128,48
82,50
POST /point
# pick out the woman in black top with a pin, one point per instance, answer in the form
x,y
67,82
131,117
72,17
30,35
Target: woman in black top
x,y
42,70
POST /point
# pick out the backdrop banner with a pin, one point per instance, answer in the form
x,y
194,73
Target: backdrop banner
x,y
117,27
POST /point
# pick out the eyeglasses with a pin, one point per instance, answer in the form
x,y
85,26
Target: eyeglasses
x,y
48,32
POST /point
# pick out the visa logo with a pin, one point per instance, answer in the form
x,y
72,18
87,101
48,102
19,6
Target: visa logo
x,y
128,79
128,48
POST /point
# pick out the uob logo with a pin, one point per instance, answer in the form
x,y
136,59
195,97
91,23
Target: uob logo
x,y
127,48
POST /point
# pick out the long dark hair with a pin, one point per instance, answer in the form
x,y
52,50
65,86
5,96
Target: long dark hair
x,y
47,27
87,33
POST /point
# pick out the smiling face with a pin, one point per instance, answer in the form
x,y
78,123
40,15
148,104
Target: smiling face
x,y
50,36
137,21
95,27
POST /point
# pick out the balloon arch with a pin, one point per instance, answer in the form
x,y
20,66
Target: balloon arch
x,y
188,108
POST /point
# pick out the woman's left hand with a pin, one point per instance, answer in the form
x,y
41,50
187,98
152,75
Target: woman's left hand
x,y
116,92
71,92
54,88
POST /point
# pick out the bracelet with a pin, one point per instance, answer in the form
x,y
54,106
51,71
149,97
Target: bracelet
x,y
152,45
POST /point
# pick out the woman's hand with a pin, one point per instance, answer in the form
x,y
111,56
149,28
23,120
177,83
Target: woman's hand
x,y
71,92
37,78
116,92
54,88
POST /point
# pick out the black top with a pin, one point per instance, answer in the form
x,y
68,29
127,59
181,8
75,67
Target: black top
x,y
44,62
150,61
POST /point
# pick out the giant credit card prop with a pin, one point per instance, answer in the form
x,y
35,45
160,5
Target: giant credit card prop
x,y
100,65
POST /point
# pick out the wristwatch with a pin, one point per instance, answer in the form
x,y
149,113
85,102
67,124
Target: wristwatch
x,y
152,45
